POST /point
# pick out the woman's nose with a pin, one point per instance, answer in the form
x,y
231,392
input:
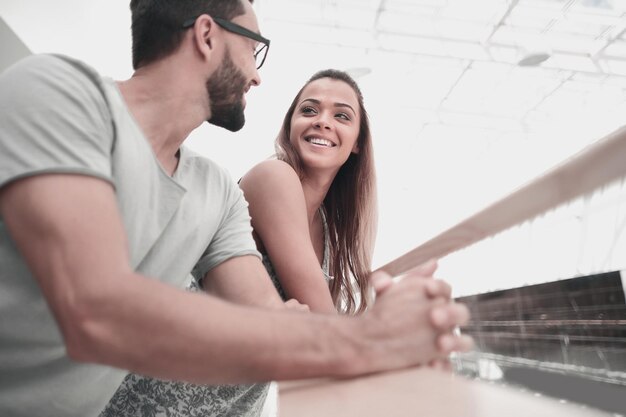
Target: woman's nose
x,y
321,123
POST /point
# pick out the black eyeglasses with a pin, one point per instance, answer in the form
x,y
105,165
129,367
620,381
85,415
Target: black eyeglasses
x,y
264,44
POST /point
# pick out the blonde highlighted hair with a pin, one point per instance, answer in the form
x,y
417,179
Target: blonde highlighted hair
x,y
349,206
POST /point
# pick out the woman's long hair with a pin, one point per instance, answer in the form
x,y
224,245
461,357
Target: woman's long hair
x,y
349,205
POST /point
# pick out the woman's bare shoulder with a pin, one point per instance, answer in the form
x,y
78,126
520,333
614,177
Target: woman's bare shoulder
x,y
270,174
273,167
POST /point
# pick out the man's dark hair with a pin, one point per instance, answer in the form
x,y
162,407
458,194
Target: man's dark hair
x,y
157,24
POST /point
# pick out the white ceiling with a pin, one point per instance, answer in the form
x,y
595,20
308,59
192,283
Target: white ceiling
x,y
457,122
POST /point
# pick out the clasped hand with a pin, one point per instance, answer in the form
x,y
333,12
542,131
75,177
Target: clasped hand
x,y
422,308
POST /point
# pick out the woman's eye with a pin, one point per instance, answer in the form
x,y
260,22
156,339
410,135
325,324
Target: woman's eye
x,y
308,110
343,116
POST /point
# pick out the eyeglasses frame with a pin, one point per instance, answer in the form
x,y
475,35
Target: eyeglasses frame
x,y
239,30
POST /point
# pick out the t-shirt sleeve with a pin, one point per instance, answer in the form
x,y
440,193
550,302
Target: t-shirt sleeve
x,y
233,237
53,119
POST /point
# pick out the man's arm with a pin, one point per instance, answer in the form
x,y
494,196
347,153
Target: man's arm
x,y
69,230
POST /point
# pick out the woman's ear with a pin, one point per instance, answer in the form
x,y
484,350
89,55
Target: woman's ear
x,y
355,148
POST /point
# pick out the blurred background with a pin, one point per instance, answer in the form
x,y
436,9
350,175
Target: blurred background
x,y
468,100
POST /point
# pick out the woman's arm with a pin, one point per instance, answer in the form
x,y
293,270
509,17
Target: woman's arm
x,y
279,218
243,280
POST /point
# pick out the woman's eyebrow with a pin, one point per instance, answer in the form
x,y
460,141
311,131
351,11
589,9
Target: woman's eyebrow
x,y
345,105
316,101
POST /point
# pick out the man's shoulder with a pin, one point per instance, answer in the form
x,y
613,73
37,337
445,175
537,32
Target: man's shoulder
x,y
207,171
48,80
202,162
52,65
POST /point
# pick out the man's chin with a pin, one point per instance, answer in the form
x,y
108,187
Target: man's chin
x,y
232,124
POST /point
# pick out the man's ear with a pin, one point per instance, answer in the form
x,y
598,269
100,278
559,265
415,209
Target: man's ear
x,y
204,31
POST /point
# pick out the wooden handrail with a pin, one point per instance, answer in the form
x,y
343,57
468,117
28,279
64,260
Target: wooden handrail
x,y
597,165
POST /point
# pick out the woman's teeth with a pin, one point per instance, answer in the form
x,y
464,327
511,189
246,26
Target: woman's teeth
x,y
320,141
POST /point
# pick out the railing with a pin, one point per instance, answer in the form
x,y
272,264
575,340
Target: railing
x,y
594,167
571,327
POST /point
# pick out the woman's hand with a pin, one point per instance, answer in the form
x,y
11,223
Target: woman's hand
x,y
293,304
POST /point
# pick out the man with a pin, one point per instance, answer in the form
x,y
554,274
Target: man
x,y
104,215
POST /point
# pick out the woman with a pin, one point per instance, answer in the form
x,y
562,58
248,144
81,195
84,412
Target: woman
x,y
313,209
313,214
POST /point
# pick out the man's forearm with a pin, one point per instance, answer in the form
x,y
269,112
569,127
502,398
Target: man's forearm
x,y
176,335
173,334
110,315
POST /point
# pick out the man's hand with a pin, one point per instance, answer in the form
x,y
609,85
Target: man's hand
x,y
381,280
417,317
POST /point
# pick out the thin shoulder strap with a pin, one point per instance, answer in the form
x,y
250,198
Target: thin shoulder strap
x,y
326,257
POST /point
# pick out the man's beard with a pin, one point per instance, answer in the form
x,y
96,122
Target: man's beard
x,y
226,89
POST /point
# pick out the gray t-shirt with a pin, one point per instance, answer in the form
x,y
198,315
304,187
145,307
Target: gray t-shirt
x,y
57,115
